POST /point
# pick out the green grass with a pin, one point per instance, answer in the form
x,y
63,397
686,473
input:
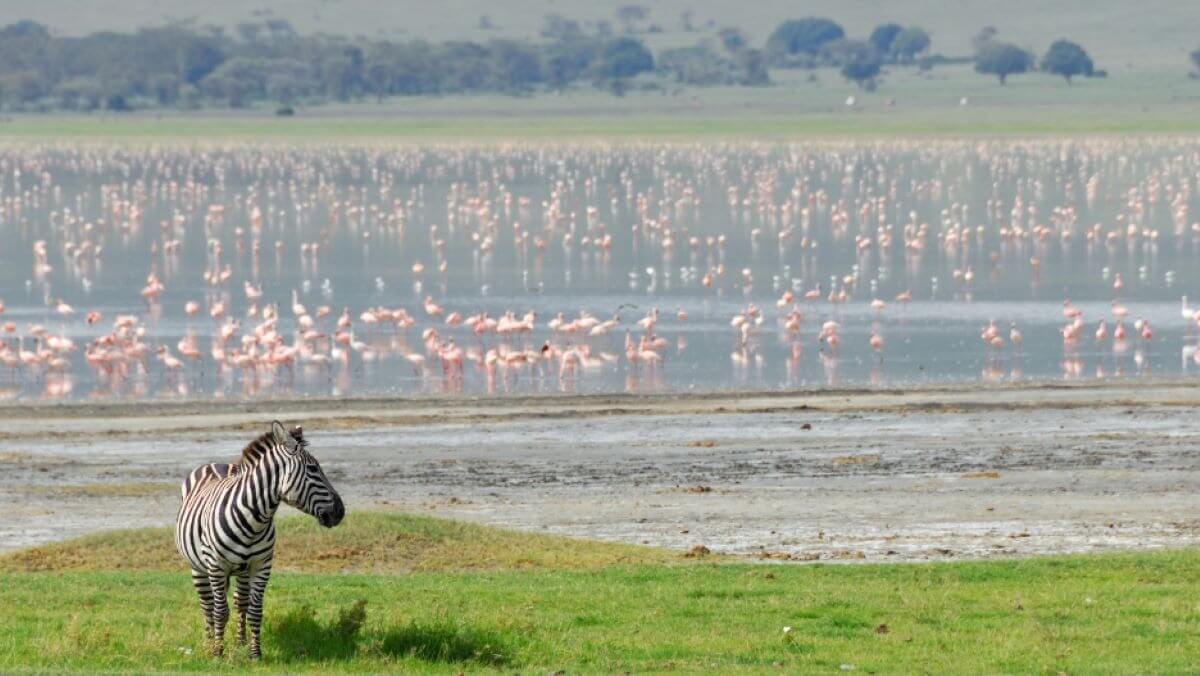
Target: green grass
x,y
1087,614
645,611
925,105
657,127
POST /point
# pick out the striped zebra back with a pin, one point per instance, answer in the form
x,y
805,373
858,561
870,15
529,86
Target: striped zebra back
x,y
203,474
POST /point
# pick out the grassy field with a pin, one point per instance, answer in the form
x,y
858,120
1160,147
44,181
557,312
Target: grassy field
x,y
586,128
518,602
907,104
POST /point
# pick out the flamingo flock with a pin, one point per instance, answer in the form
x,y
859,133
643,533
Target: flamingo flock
x,y
248,269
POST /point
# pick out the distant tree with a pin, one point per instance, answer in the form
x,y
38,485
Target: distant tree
x,y
485,23
801,37
569,60
26,60
117,103
558,27
341,72
237,82
1003,59
752,67
1196,60
733,39
686,21
983,38
883,35
25,29
195,57
631,15
280,28
1067,59
287,80
80,93
22,87
909,43
516,67
462,66
861,62
164,88
249,31
696,65
624,58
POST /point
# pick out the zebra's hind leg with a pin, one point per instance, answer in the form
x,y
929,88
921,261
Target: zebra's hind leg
x,y
219,581
258,587
204,591
241,599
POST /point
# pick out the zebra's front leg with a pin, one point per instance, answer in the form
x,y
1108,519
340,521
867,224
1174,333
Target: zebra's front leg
x,y
218,580
204,591
241,599
258,587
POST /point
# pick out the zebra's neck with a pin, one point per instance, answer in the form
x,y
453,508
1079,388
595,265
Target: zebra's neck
x,y
261,484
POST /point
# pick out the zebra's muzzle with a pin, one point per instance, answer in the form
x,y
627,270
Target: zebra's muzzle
x,y
333,515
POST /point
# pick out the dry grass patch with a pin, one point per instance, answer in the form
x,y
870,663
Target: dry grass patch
x,y
872,459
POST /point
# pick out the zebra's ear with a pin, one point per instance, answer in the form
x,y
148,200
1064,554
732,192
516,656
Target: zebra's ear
x,y
279,433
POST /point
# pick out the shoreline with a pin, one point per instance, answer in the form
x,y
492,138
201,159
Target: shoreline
x,y
25,420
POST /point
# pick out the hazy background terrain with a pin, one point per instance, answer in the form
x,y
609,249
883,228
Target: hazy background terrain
x,y
1142,50
1121,35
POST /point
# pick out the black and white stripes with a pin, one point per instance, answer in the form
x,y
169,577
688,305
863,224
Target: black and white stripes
x,y
226,525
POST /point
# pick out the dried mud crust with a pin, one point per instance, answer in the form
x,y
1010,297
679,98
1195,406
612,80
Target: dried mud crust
x,y
836,476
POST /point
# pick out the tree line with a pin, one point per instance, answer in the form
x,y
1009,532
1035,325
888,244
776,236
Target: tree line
x,y
180,66
269,62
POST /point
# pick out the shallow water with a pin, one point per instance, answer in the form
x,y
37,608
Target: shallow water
x,y
610,231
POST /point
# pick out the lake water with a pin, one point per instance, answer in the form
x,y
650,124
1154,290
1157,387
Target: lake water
x,y
975,233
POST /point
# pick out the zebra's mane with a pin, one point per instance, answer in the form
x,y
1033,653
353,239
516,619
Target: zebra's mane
x,y
255,450
258,448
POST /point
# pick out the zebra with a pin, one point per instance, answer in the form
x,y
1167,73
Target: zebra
x,y
226,525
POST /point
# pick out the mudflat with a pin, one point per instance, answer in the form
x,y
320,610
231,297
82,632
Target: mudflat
x,y
851,475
